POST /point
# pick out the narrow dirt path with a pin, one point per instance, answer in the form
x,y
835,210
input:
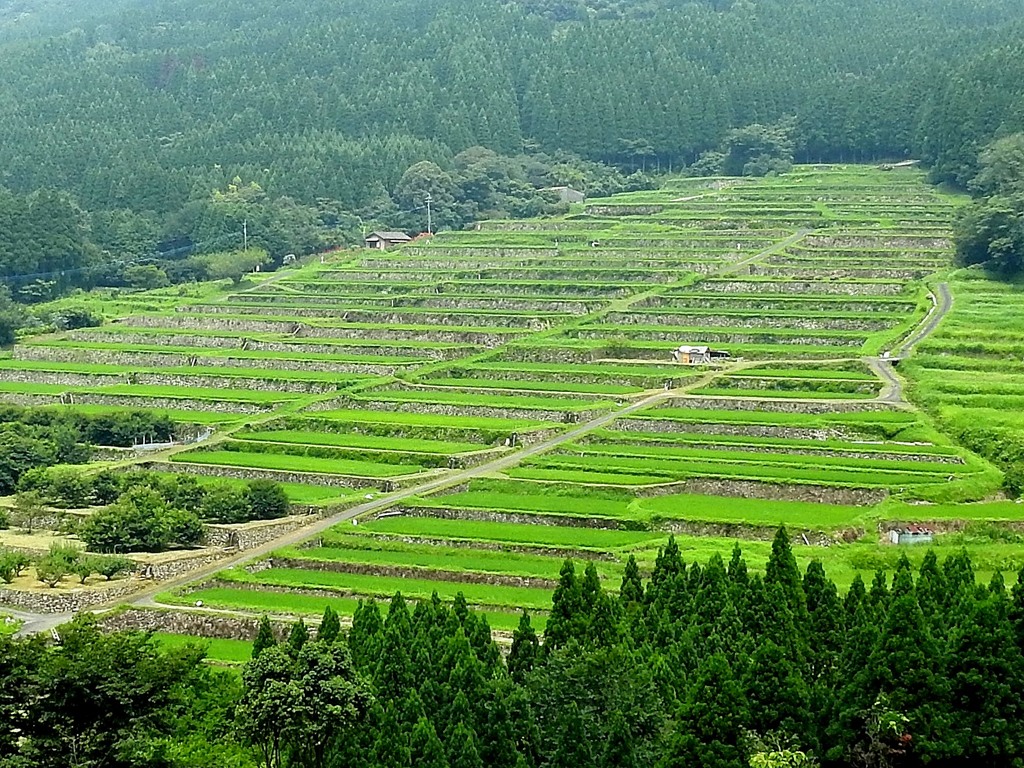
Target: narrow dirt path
x,y
942,302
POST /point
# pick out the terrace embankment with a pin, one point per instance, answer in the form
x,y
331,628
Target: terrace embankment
x,y
394,571
192,624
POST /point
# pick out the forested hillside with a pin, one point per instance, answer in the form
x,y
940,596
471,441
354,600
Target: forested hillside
x,y
140,111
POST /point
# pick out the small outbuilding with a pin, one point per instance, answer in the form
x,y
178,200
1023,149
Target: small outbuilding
x,y
384,240
911,534
568,194
697,355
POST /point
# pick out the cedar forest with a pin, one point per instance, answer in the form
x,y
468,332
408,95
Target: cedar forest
x,y
139,138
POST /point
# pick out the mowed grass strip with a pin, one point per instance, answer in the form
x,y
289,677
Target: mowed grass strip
x,y
588,388
434,420
291,604
437,558
484,400
623,471
385,586
760,418
539,501
287,463
785,394
354,440
759,512
769,443
217,649
584,477
777,459
562,537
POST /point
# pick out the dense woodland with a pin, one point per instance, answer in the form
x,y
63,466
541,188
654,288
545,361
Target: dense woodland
x,y
140,132
701,665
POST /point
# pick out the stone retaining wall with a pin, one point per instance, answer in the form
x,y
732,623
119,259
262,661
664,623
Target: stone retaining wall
x,y
169,403
64,600
750,321
723,336
670,426
744,531
280,476
193,624
502,516
184,563
755,489
389,571
780,405
244,536
823,288
839,273
467,411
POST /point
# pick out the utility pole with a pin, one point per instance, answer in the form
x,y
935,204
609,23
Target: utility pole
x,y
245,235
430,228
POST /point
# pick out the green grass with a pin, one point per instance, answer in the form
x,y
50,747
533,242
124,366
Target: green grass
x,y
536,386
287,463
430,420
537,502
624,471
759,512
217,649
483,400
366,585
355,440
514,534
373,551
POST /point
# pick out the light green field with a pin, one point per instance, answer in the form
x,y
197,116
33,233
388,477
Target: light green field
x,y
309,464
370,550
352,440
510,533
217,649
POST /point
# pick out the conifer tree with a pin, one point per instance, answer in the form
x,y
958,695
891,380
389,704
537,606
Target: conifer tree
x,y
709,727
525,649
782,569
366,635
567,611
426,750
631,593
573,747
986,686
462,749
330,626
392,747
298,637
776,694
264,637
619,751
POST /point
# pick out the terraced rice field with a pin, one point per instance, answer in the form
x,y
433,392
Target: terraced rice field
x,y
379,371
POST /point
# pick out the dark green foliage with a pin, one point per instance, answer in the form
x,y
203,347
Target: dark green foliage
x,y
990,231
264,637
711,668
140,521
330,626
111,700
525,649
328,133
297,637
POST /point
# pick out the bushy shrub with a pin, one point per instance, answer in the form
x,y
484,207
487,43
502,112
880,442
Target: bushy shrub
x,y
141,521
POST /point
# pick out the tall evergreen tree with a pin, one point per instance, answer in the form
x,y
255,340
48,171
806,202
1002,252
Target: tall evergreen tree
x,y
524,651
264,637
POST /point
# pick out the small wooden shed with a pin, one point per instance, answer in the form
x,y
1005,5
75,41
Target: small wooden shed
x,y
912,534
384,240
687,355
